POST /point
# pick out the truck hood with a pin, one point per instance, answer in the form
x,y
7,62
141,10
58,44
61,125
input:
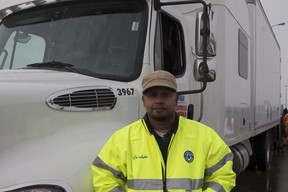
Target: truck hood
x,y
40,144
42,75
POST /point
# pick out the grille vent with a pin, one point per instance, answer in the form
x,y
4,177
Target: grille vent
x,y
83,99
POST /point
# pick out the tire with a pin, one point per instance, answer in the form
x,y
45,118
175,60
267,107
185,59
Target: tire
x,y
263,151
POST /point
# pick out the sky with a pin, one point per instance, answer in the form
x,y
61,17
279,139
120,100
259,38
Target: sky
x,y
276,11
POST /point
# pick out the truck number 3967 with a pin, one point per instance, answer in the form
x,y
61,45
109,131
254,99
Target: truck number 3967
x,y
125,91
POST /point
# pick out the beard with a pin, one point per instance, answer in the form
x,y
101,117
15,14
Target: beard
x,y
162,117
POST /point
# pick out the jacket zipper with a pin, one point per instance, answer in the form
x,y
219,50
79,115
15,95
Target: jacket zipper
x,y
164,179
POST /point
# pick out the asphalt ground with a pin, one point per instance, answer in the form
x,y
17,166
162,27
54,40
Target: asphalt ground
x,y
273,180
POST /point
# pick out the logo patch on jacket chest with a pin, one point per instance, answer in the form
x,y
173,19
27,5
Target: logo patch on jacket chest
x,y
188,156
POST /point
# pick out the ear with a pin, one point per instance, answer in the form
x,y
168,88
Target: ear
x,y
143,100
176,99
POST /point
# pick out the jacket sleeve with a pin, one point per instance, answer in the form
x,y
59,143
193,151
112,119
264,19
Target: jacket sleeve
x,y
219,175
108,169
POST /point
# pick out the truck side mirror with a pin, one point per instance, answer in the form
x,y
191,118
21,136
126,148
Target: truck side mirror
x,y
211,42
199,70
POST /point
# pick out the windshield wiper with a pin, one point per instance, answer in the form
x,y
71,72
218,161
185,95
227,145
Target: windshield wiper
x,y
54,65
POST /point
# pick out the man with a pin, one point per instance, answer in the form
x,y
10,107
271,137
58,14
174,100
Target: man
x,y
163,151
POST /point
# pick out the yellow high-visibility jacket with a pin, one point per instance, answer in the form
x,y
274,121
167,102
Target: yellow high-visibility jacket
x,y
198,160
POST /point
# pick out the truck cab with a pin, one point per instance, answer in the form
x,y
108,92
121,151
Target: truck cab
x,y
71,73
70,76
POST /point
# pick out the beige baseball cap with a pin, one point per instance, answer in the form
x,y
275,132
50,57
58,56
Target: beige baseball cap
x,y
159,79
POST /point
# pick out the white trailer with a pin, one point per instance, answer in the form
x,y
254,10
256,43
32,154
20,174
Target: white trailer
x,y
71,74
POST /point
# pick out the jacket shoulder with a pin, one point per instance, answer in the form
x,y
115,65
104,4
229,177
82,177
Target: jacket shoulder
x,y
134,128
195,128
192,124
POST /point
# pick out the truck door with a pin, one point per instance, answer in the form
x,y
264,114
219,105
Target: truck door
x,y
170,55
169,45
174,50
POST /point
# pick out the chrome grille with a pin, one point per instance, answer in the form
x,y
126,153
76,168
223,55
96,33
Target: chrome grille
x,y
83,99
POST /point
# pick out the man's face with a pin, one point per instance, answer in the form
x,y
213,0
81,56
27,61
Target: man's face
x,y
160,103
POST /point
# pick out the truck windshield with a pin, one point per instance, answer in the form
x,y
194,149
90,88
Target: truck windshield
x,y
103,39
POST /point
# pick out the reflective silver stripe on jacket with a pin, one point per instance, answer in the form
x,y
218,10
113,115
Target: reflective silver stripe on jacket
x,y
101,164
156,184
118,189
185,183
221,163
145,184
215,186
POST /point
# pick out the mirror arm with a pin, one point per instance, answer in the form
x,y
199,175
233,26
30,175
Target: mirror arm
x,y
203,70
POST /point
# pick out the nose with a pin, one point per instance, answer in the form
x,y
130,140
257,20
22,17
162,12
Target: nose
x,y
159,98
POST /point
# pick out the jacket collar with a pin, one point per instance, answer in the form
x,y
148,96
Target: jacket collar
x,y
152,130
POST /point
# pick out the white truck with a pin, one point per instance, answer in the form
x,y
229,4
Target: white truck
x,y
71,74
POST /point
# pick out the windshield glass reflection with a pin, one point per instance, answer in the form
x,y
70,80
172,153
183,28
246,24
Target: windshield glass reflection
x,y
101,39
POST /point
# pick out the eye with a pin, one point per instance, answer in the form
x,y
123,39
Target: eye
x,y
151,94
163,94
167,94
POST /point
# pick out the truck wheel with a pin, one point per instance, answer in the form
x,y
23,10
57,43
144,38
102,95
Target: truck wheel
x,y
262,151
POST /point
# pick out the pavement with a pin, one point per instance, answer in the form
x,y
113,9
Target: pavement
x,y
273,180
